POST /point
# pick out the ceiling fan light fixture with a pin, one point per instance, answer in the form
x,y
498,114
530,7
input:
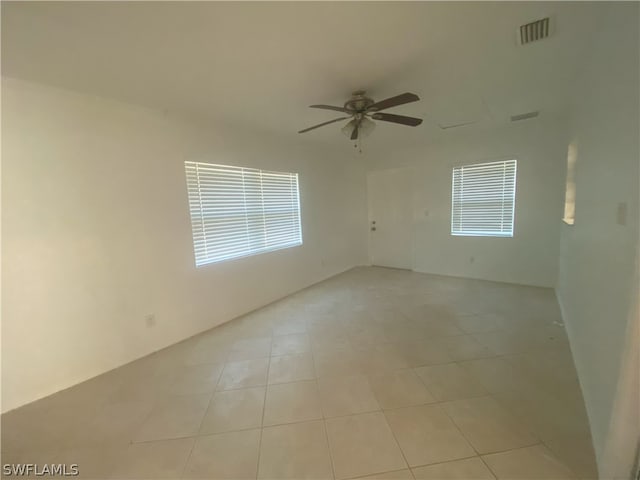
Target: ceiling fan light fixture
x,y
366,127
348,128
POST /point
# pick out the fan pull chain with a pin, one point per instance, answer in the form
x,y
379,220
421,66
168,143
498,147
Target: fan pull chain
x,y
358,144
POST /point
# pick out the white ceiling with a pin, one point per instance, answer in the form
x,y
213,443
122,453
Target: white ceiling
x,y
259,65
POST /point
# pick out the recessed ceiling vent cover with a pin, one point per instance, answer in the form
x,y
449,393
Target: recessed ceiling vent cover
x,y
534,31
524,116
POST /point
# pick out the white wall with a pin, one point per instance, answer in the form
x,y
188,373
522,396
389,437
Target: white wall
x,y
531,256
598,285
96,234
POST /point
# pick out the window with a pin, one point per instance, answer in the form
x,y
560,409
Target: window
x,y
236,211
570,188
483,199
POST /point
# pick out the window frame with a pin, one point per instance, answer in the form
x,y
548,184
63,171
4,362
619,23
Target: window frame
x,y
459,231
260,227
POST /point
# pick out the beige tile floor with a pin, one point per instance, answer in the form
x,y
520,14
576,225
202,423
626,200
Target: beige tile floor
x,y
375,373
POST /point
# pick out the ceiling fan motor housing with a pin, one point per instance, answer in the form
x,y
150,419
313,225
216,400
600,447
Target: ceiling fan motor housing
x,y
359,102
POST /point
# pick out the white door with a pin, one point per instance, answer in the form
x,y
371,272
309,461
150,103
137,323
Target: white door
x,y
390,218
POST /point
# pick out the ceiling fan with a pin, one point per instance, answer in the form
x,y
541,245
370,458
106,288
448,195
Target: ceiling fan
x,y
361,109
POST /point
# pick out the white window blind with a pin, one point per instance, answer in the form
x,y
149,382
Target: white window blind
x,y
238,211
483,199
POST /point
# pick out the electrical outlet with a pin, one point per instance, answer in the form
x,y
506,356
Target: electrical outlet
x,y
150,320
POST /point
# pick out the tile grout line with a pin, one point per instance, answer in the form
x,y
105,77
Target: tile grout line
x,y
264,405
495,475
393,434
545,444
444,410
324,419
528,431
197,436
443,462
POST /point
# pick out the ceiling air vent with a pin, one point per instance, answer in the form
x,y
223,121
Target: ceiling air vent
x,y
534,31
524,116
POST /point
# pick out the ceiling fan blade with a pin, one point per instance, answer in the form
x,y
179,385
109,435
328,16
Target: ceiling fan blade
x,y
330,107
323,124
456,125
401,119
393,102
354,134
